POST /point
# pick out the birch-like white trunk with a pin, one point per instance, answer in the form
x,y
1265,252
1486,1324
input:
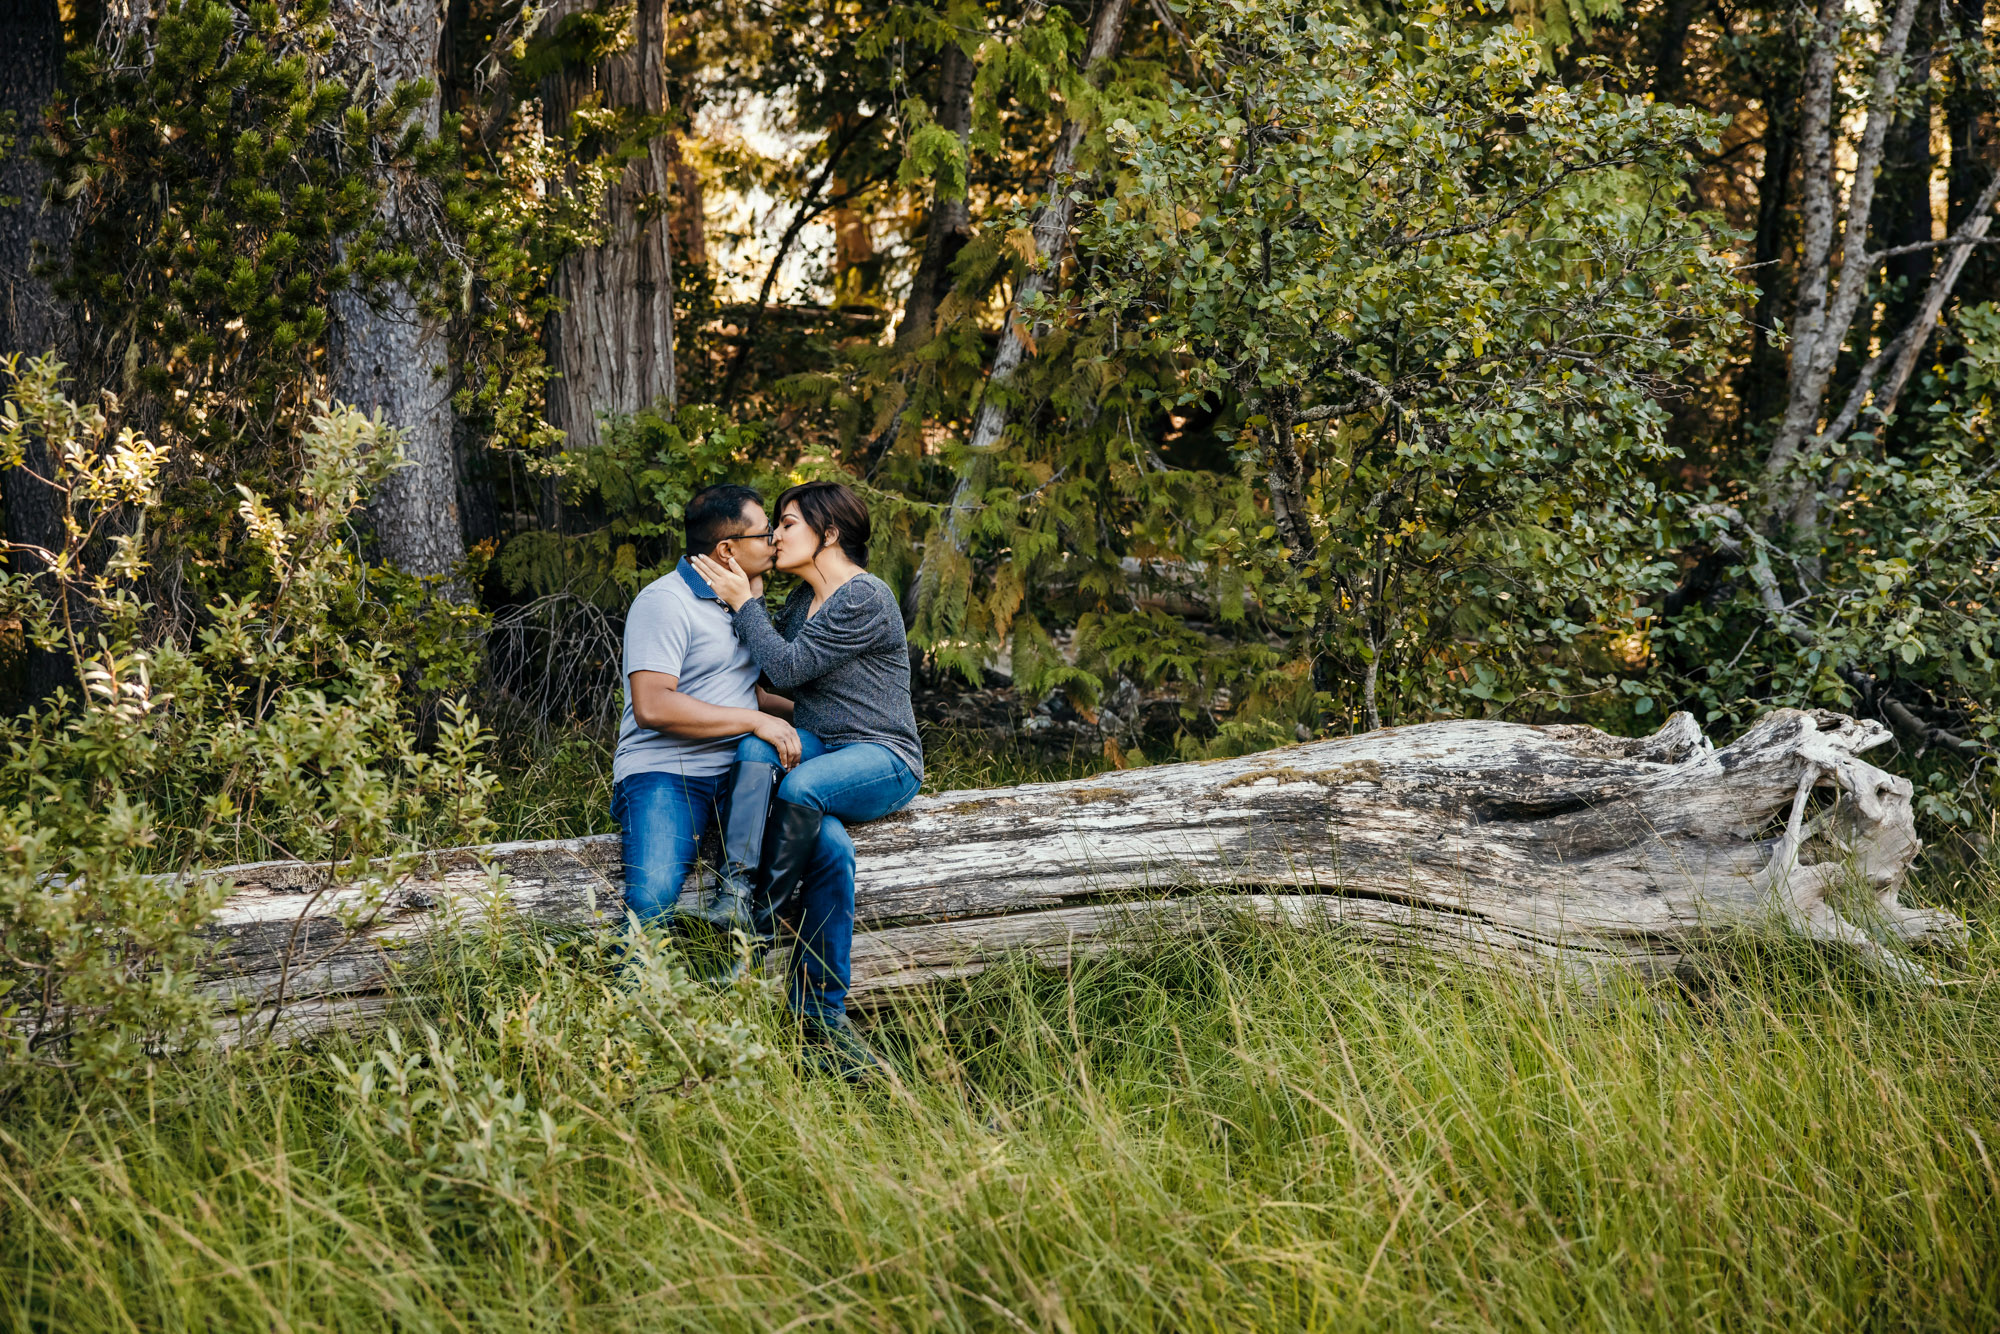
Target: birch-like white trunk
x,y
989,423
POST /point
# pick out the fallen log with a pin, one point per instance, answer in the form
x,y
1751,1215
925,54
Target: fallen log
x,y
1556,846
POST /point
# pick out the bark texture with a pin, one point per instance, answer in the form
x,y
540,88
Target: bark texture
x,y
950,221
1502,843
611,344
31,57
384,355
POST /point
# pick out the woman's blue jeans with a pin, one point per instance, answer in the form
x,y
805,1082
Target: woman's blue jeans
x,y
850,784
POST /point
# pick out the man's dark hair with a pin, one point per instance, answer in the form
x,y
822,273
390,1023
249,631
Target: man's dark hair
x,y
715,512
825,505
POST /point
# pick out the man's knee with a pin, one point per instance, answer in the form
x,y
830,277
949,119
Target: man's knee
x,y
651,888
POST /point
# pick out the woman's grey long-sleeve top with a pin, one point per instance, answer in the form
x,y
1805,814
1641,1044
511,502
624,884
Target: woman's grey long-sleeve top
x,y
847,668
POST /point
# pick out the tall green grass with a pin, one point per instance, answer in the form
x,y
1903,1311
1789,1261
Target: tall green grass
x,y
1259,1129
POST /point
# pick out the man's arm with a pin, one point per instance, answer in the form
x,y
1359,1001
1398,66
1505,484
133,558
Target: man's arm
x,y
658,703
776,705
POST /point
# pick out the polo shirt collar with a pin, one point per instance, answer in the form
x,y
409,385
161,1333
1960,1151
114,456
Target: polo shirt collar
x,y
696,584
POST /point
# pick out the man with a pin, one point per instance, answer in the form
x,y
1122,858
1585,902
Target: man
x,y
691,693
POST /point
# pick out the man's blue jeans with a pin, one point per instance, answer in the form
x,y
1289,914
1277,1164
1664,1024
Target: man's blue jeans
x,y
663,816
848,785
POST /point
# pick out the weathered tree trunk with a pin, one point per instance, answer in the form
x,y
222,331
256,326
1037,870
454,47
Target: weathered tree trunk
x,y
385,355
611,344
950,222
31,58
1502,843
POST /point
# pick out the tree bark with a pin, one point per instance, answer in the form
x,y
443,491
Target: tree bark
x,y
950,221
1540,847
31,322
1051,232
1825,312
385,355
611,344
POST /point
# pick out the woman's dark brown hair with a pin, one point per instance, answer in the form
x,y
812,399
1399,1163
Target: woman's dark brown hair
x,y
829,505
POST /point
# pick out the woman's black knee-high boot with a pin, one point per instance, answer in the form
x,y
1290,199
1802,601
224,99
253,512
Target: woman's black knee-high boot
x,y
794,834
745,818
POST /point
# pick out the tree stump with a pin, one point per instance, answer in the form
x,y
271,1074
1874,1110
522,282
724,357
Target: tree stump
x,y
1506,844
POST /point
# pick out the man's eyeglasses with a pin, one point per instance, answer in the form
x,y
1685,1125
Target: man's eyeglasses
x,y
769,536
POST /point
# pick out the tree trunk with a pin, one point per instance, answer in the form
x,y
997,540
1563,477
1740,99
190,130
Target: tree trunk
x,y
1825,309
950,221
611,344
1541,847
385,355
989,423
31,324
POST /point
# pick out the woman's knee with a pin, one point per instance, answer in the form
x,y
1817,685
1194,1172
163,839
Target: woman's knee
x,y
753,749
798,788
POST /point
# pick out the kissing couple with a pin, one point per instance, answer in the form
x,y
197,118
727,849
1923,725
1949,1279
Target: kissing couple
x,y
786,729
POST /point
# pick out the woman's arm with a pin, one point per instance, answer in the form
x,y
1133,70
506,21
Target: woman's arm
x,y
841,632
850,624
775,705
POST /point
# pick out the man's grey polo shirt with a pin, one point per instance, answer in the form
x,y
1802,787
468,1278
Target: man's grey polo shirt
x,y
678,625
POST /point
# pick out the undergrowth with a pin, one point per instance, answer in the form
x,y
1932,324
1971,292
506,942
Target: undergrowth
x,y
1260,1129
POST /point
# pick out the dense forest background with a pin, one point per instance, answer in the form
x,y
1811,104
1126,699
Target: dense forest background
x,y
1221,373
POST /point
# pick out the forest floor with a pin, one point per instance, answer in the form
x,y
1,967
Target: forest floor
x,y
1258,1130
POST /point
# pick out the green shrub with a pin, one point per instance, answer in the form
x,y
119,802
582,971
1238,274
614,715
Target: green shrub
x,y
270,729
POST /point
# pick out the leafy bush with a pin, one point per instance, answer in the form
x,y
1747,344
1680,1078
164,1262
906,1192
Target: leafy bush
x,y
478,1116
1438,297
270,729
1896,612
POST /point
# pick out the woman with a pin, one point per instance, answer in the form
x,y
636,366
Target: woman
x,y
838,649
